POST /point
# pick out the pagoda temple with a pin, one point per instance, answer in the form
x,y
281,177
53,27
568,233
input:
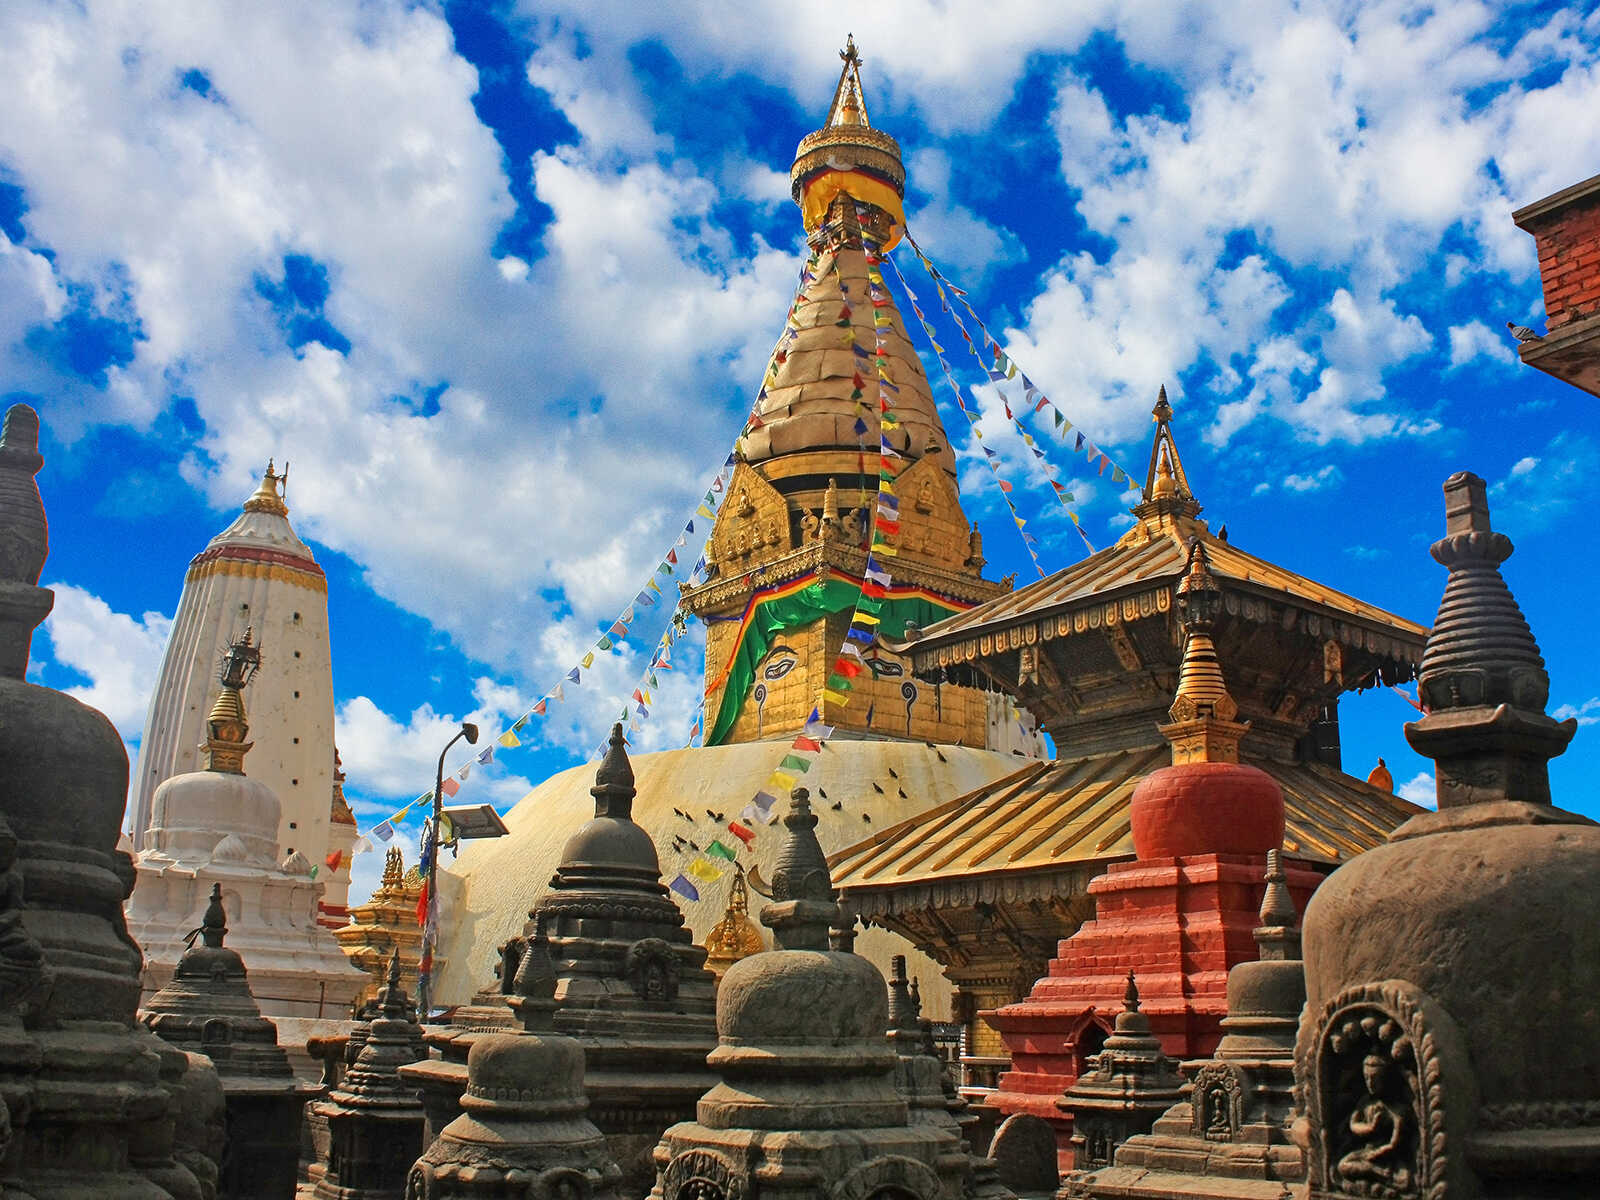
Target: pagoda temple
x,y
989,883
386,923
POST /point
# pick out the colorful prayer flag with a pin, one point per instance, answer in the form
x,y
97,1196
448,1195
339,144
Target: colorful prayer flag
x,y
702,870
450,787
383,831
333,860
747,836
718,850
684,888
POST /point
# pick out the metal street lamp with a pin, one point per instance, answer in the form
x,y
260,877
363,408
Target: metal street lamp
x,y
470,732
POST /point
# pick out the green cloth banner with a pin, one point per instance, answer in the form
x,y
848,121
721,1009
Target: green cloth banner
x,y
793,609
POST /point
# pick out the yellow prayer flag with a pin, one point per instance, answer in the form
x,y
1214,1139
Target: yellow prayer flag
x,y
588,660
704,871
509,739
886,550
780,781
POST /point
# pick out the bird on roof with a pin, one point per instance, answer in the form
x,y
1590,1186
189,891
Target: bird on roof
x,y
837,805
1522,333
930,745
893,774
902,792
715,816
942,758
684,815
1222,534
876,788
822,793
866,818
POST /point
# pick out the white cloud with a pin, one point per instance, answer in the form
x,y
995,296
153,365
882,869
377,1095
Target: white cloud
x,y
1420,789
1538,488
117,653
1476,340
1587,713
1314,481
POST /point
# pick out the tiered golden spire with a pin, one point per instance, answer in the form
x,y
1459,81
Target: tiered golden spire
x,y
736,936
268,496
1203,728
226,726
1166,506
394,870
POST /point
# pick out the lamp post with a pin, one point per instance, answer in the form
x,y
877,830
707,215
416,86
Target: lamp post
x,y
430,926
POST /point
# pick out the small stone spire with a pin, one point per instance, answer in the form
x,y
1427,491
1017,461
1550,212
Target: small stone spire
x,y
1203,728
268,496
803,905
902,1011
23,604
214,925
1483,680
392,997
226,726
1130,995
533,990
1277,937
613,789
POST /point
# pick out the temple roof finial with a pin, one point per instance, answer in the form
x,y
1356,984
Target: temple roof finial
x,y
1164,458
1203,728
268,496
849,107
227,728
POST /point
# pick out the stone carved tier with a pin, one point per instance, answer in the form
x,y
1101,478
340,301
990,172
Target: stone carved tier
x,y
1432,1064
523,1127
807,1100
86,1109
1230,1138
630,984
374,1119
1182,913
208,1009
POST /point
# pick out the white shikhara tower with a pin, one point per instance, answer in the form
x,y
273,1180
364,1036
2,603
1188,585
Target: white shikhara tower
x,y
254,574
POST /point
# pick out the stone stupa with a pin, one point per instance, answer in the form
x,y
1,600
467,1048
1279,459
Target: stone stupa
x,y
1450,1045
807,1103
208,1008
82,1087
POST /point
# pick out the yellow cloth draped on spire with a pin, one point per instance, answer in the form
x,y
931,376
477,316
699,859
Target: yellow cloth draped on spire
x,y
822,191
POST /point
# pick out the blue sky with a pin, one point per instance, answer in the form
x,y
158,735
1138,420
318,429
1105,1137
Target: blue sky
x,y
500,281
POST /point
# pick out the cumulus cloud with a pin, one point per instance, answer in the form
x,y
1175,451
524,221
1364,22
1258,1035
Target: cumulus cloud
x,y
1475,340
1313,481
1420,789
118,654
1539,488
1587,713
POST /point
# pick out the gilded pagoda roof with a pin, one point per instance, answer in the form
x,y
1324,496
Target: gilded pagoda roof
x,y
1054,814
1140,570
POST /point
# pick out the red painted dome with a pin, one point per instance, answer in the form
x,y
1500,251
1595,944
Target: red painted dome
x,y
1206,808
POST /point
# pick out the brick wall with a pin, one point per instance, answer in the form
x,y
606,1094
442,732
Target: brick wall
x,y
1566,231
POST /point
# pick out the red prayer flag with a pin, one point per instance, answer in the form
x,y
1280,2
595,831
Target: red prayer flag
x,y
747,836
802,742
847,666
422,905
333,860
450,787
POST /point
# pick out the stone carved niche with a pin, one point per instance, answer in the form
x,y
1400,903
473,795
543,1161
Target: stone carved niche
x,y
700,1175
1217,1100
1384,1085
653,971
892,1177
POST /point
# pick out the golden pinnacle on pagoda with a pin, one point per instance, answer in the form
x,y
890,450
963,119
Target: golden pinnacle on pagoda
x,y
847,157
226,726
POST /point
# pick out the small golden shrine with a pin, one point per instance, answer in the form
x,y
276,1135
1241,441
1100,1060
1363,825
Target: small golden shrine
x,y
736,936
386,923
787,555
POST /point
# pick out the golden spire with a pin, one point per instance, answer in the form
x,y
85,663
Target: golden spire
x,y
1203,728
394,870
268,496
226,725
1164,484
736,936
850,166
339,811
1166,505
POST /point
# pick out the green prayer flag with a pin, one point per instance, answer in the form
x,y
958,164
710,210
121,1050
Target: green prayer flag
x,y
718,850
793,762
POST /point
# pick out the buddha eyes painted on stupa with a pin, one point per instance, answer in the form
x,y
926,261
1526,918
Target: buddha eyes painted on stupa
x,y
779,662
885,667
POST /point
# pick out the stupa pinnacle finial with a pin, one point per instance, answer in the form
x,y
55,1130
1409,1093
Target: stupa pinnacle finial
x,y
902,1012
227,727
392,998
533,990
849,162
803,905
24,540
213,924
394,870
1277,938
1483,680
1130,995
613,789
1203,728
268,496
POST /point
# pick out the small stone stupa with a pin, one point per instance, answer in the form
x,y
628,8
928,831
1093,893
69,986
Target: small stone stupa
x,y
220,826
1451,1040
807,1103
1127,1086
631,985
374,1119
523,1127
208,1008
1230,1138
78,1079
